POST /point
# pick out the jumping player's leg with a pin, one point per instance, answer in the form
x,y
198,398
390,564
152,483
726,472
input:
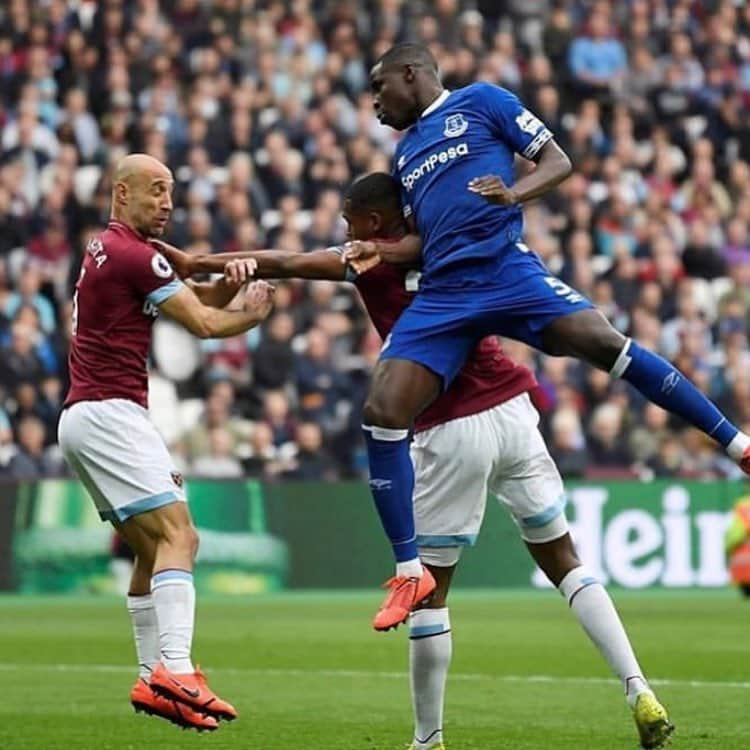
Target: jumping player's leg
x,y
547,314
400,390
422,354
589,336
527,482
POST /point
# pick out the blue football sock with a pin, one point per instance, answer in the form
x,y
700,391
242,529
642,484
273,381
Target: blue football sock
x,y
667,387
392,486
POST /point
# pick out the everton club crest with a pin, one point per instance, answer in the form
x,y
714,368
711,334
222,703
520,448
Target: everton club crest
x,y
455,125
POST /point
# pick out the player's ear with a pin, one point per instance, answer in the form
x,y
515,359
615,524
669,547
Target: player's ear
x,y
121,192
375,222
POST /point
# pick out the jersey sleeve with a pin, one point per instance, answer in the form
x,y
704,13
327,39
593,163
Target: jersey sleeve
x,y
519,128
150,274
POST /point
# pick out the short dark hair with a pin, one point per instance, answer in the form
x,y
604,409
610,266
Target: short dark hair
x,y
409,53
374,191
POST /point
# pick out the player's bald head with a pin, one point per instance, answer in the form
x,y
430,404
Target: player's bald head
x,y
140,166
142,194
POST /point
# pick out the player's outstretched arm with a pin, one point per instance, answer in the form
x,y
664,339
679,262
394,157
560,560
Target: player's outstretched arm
x,y
280,264
552,167
209,322
266,264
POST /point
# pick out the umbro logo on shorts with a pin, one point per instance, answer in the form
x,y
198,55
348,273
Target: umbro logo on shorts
x,y
177,478
381,484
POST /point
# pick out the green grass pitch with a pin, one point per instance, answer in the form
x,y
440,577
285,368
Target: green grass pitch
x,y
306,671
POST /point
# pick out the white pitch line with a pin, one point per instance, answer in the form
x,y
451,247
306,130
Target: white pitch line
x,y
364,674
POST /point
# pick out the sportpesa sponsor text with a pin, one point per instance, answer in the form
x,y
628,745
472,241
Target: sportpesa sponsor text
x,y
431,162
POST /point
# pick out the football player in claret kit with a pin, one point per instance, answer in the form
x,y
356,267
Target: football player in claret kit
x,y
109,441
481,434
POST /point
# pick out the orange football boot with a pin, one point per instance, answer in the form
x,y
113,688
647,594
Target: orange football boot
x,y
192,690
403,594
145,700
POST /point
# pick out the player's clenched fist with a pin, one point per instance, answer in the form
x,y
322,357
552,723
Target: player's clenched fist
x,y
361,255
259,298
493,190
240,271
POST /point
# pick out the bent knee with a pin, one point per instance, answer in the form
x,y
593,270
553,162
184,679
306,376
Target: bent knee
x,y
600,345
192,540
183,536
386,412
609,341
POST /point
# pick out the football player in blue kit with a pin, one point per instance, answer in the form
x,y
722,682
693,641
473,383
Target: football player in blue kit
x,y
455,165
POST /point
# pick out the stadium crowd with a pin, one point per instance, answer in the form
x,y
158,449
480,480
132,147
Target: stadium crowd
x,y
262,111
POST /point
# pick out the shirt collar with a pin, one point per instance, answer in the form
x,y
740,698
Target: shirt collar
x,y
437,103
115,224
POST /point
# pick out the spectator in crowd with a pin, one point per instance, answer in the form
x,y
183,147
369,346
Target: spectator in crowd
x,y
216,416
568,443
31,460
310,462
319,384
19,361
29,292
265,460
273,362
670,458
646,438
606,445
219,460
277,417
597,58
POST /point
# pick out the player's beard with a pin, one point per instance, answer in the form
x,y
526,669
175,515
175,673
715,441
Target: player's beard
x,y
158,226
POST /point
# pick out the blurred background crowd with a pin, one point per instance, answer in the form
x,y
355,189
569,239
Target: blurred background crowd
x,y
262,111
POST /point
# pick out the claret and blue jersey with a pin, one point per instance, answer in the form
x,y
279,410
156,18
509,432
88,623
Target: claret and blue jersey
x,y
466,133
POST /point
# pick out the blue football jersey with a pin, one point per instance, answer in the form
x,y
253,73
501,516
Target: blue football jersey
x,y
466,133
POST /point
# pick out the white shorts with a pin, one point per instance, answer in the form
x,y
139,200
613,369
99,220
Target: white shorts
x,y
120,457
499,450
